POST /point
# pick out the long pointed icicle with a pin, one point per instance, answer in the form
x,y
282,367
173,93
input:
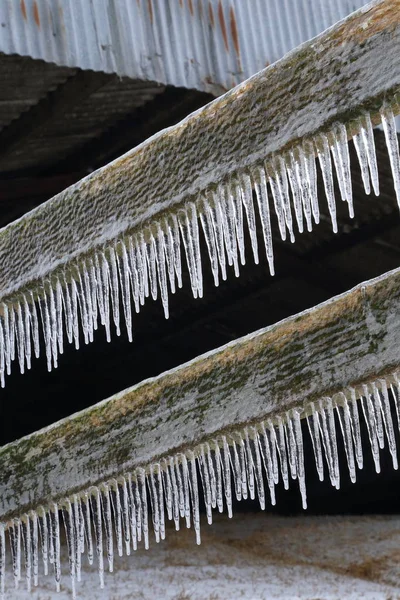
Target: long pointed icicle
x,y
148,262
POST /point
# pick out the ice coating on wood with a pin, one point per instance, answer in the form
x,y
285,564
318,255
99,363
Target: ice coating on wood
x,y
248,463
149,263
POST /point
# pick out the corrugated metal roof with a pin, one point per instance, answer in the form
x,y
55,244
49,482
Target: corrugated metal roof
x,y
209,45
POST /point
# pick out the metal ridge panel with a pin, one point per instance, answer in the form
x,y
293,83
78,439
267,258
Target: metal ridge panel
x,y
210,45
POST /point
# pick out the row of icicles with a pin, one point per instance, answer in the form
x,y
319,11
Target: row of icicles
x,y
116,514
147,263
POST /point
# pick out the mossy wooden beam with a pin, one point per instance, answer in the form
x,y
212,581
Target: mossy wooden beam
x,y
346,341
348,69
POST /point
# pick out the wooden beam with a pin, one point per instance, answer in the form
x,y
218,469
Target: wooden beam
x,y
351,68
346,341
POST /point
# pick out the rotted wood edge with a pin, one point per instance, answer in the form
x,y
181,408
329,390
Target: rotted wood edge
x,y
348,340
351,68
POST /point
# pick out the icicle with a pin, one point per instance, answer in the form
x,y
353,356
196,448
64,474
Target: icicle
x,y
2,561
265,448
211,470
125,276
134,257
143,265
314,429
141,501
389,127
86,298
236,199
103,291
278,200
387,419
15,544
194,494
81,299
186,232
226,475
355,428
369,415
296,192
291,446
79,534
208,230
298,436
359,144
325,163
218,477
55,529
117,514
167,487
2,355
311,175
174,492
35,548
225,209
87,520
107,517
71,541
161,269
114,289
150,250
98,531
44,536
328,431
218,232
376,403
283,190
27,543
20,338
205,479
248,465
281,447
343,413
369,143
135,518
255,457
185,480
247,201
123,491
304,185
341,156
155,513
27,326
260,186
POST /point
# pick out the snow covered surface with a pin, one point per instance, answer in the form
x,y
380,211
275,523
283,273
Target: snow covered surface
x,y
253,556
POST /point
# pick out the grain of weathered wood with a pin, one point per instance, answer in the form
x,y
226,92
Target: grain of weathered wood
x,y
350,68
347,340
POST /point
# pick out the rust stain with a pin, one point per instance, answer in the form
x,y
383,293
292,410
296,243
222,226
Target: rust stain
x,y
211,15
36,14
234,31
150,5
223,25
191,7
200,10
23,9
181,3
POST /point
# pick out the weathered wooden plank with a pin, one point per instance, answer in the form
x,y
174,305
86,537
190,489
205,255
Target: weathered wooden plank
x,y
348,340
348,69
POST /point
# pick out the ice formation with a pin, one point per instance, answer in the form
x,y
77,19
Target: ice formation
x,y
115,516
149,262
